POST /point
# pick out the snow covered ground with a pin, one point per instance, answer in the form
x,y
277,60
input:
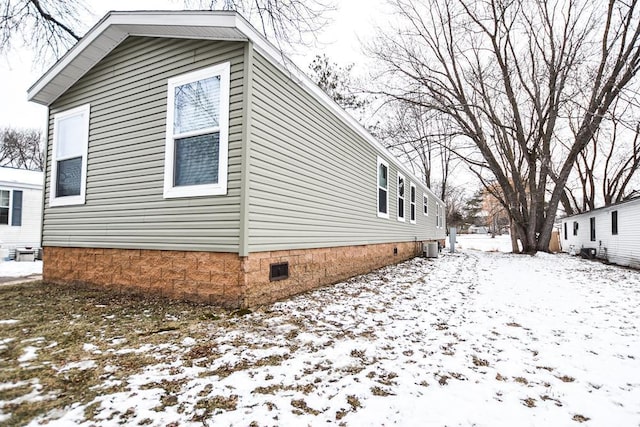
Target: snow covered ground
x,y
20,269
472,338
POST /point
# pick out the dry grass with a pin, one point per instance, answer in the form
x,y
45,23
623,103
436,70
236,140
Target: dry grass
x,y
97,330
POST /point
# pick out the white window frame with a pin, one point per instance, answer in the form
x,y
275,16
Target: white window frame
x,y
425,204
413,195
220,188
379,162
404,198
85,111
437,215
10,206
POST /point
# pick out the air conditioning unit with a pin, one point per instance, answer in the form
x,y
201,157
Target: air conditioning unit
x,y
588,253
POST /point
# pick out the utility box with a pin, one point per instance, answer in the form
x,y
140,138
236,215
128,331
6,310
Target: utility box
x,y
589,253
25,255
430,249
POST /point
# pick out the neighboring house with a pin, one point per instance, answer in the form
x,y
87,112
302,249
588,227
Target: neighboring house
x,y
613,232
478,229
186,156
20,207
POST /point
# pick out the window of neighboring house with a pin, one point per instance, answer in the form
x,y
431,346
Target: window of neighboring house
x,y
575,228
383,188
614,222
425,204
11,207
196,152
565,231
412,198
69,166
401,197
5,206
592,224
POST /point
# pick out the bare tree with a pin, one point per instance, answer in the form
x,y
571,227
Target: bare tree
x,y
48,27
289,22
504,72
21,148
423,139
605,170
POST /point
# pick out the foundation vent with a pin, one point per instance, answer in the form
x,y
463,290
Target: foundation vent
x,y
279,271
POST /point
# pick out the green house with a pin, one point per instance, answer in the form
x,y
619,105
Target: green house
x,y
186,156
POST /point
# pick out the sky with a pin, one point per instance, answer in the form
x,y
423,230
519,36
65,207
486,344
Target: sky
x,y
353,21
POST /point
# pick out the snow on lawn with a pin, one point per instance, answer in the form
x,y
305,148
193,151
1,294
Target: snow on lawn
x,y
471,338
20,269
483,242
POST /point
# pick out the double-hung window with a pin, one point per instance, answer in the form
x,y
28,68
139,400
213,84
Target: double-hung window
x,y
69,166
401,197
196,152
11,207
412,205
575,228
383,188
425,204
592,228
614,223
5,207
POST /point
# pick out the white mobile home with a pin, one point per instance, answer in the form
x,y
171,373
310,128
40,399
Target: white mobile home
x,y
20,207
186,156
612,231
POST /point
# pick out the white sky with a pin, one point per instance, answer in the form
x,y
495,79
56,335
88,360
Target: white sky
x,y
353,21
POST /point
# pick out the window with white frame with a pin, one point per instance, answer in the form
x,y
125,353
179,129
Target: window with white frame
x,y
425,204
438,225
5,206
412,209
11,207
383,188
69,165
196,152
401,197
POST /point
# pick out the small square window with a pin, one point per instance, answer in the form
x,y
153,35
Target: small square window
x,y
279,271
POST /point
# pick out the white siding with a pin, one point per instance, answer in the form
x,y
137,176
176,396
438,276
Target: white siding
x,y
622,249
28,234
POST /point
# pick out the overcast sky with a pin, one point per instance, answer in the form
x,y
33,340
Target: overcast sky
x,y
354,21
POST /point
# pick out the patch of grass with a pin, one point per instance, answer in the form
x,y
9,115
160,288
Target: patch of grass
x,y
354,402
514,325
378,391
580,418
301,405
566,379
212,404
521,380
529,402
61,320
479,362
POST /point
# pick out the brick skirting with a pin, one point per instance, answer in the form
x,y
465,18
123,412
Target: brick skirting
x,y
219,278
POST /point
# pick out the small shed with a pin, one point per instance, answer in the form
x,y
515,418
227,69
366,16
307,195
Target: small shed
x,y
20,207
611,233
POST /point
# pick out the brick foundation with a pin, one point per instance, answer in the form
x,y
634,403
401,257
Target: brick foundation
x,y
219,278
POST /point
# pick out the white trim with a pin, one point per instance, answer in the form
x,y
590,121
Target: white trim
x,y
146,23
170,191
381,161
404,198
85,111
9,217
425,204
413,196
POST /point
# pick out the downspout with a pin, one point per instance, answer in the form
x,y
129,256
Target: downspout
x,y
245,183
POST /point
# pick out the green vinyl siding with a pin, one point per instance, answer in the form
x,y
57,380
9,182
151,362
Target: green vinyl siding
x,y
124,205
313,178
